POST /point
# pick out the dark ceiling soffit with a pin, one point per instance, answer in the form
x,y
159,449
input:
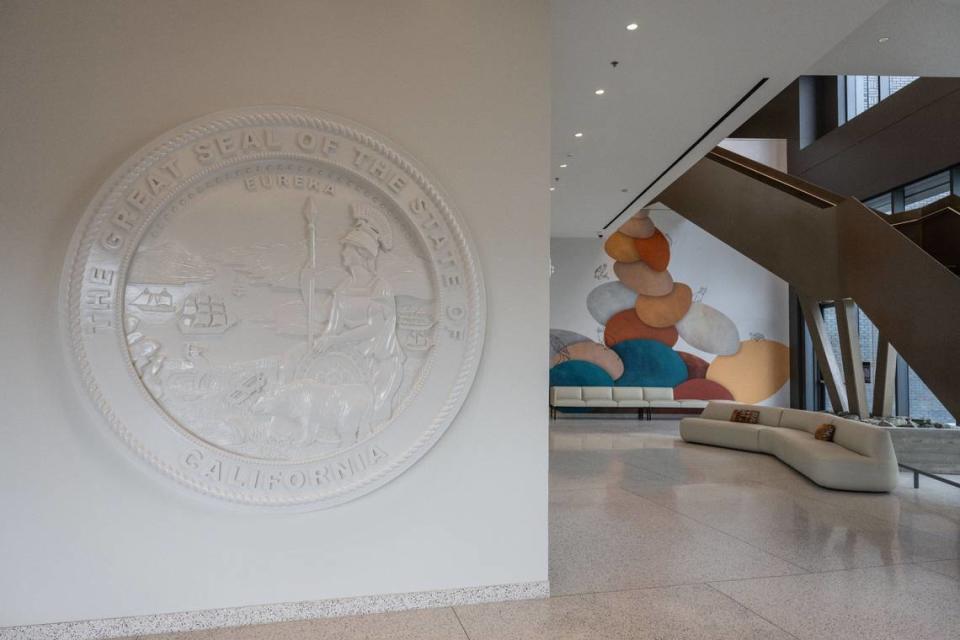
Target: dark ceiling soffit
x,y
693,146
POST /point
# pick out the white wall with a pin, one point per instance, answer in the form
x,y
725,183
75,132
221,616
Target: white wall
x,y
463,86
579,265
771,152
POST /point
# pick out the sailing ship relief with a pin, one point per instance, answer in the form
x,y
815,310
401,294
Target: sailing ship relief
x,y
204,315
150,300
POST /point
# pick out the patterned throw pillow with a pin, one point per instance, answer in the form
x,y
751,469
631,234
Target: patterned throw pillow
x,y
749,416
825,432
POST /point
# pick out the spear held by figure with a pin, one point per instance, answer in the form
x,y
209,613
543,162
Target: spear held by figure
x,y
308,274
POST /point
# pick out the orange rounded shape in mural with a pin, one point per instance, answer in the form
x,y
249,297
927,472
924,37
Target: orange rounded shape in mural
x,y
754,373
642,279
665,311
596,353
625,325
700,389
639,226
621,248
655,250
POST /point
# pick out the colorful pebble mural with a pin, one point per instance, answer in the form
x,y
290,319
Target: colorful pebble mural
x,y
645,314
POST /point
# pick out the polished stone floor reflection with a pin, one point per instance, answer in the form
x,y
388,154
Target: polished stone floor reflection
x,y
651,537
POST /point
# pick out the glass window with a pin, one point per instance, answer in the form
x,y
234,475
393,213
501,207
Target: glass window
x,y
897,83
923,192
869,336
882,203
923,404
833,335
864,92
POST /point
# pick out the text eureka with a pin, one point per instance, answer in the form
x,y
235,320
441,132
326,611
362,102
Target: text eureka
x,y
98,297
249,142
236,474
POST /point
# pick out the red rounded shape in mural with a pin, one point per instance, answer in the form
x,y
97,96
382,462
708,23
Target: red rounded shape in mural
x,y
655,250
701,389
625,325
696,366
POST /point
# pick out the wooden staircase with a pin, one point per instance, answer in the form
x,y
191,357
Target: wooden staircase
x,y
900,270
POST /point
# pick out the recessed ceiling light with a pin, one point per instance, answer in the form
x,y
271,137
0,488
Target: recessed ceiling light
x,y
599,92
553,188
578,134
563,166
632,26
882,39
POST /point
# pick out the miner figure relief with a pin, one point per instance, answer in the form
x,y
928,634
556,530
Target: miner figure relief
x,y
355,361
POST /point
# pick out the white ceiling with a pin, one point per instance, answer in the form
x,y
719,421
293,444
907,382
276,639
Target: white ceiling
x,y
922,39
682,69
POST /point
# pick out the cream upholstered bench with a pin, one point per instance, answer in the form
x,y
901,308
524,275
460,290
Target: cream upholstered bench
x,y
643,399
860,457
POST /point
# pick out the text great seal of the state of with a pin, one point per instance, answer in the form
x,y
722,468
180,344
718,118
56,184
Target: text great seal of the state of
x,y
274,307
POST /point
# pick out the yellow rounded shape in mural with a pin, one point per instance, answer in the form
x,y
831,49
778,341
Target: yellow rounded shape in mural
x,y
755,372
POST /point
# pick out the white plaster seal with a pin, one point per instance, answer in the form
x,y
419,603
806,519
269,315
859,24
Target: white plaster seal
x,y
274,307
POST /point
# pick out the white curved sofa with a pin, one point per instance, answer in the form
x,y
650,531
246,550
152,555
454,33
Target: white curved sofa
x,y
860,458
640,398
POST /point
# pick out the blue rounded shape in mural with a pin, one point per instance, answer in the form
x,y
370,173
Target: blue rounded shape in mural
x,y
579,373
649,363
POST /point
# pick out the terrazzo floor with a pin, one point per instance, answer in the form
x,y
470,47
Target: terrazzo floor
x,y
651,537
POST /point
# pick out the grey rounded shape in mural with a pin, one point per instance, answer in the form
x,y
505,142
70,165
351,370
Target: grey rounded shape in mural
x,y
274,307
709,330
608,299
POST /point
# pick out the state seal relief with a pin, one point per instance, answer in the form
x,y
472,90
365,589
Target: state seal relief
x,y
274,307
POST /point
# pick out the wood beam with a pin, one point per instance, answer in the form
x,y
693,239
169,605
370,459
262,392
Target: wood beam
x,y
885,378
829,370
851,357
